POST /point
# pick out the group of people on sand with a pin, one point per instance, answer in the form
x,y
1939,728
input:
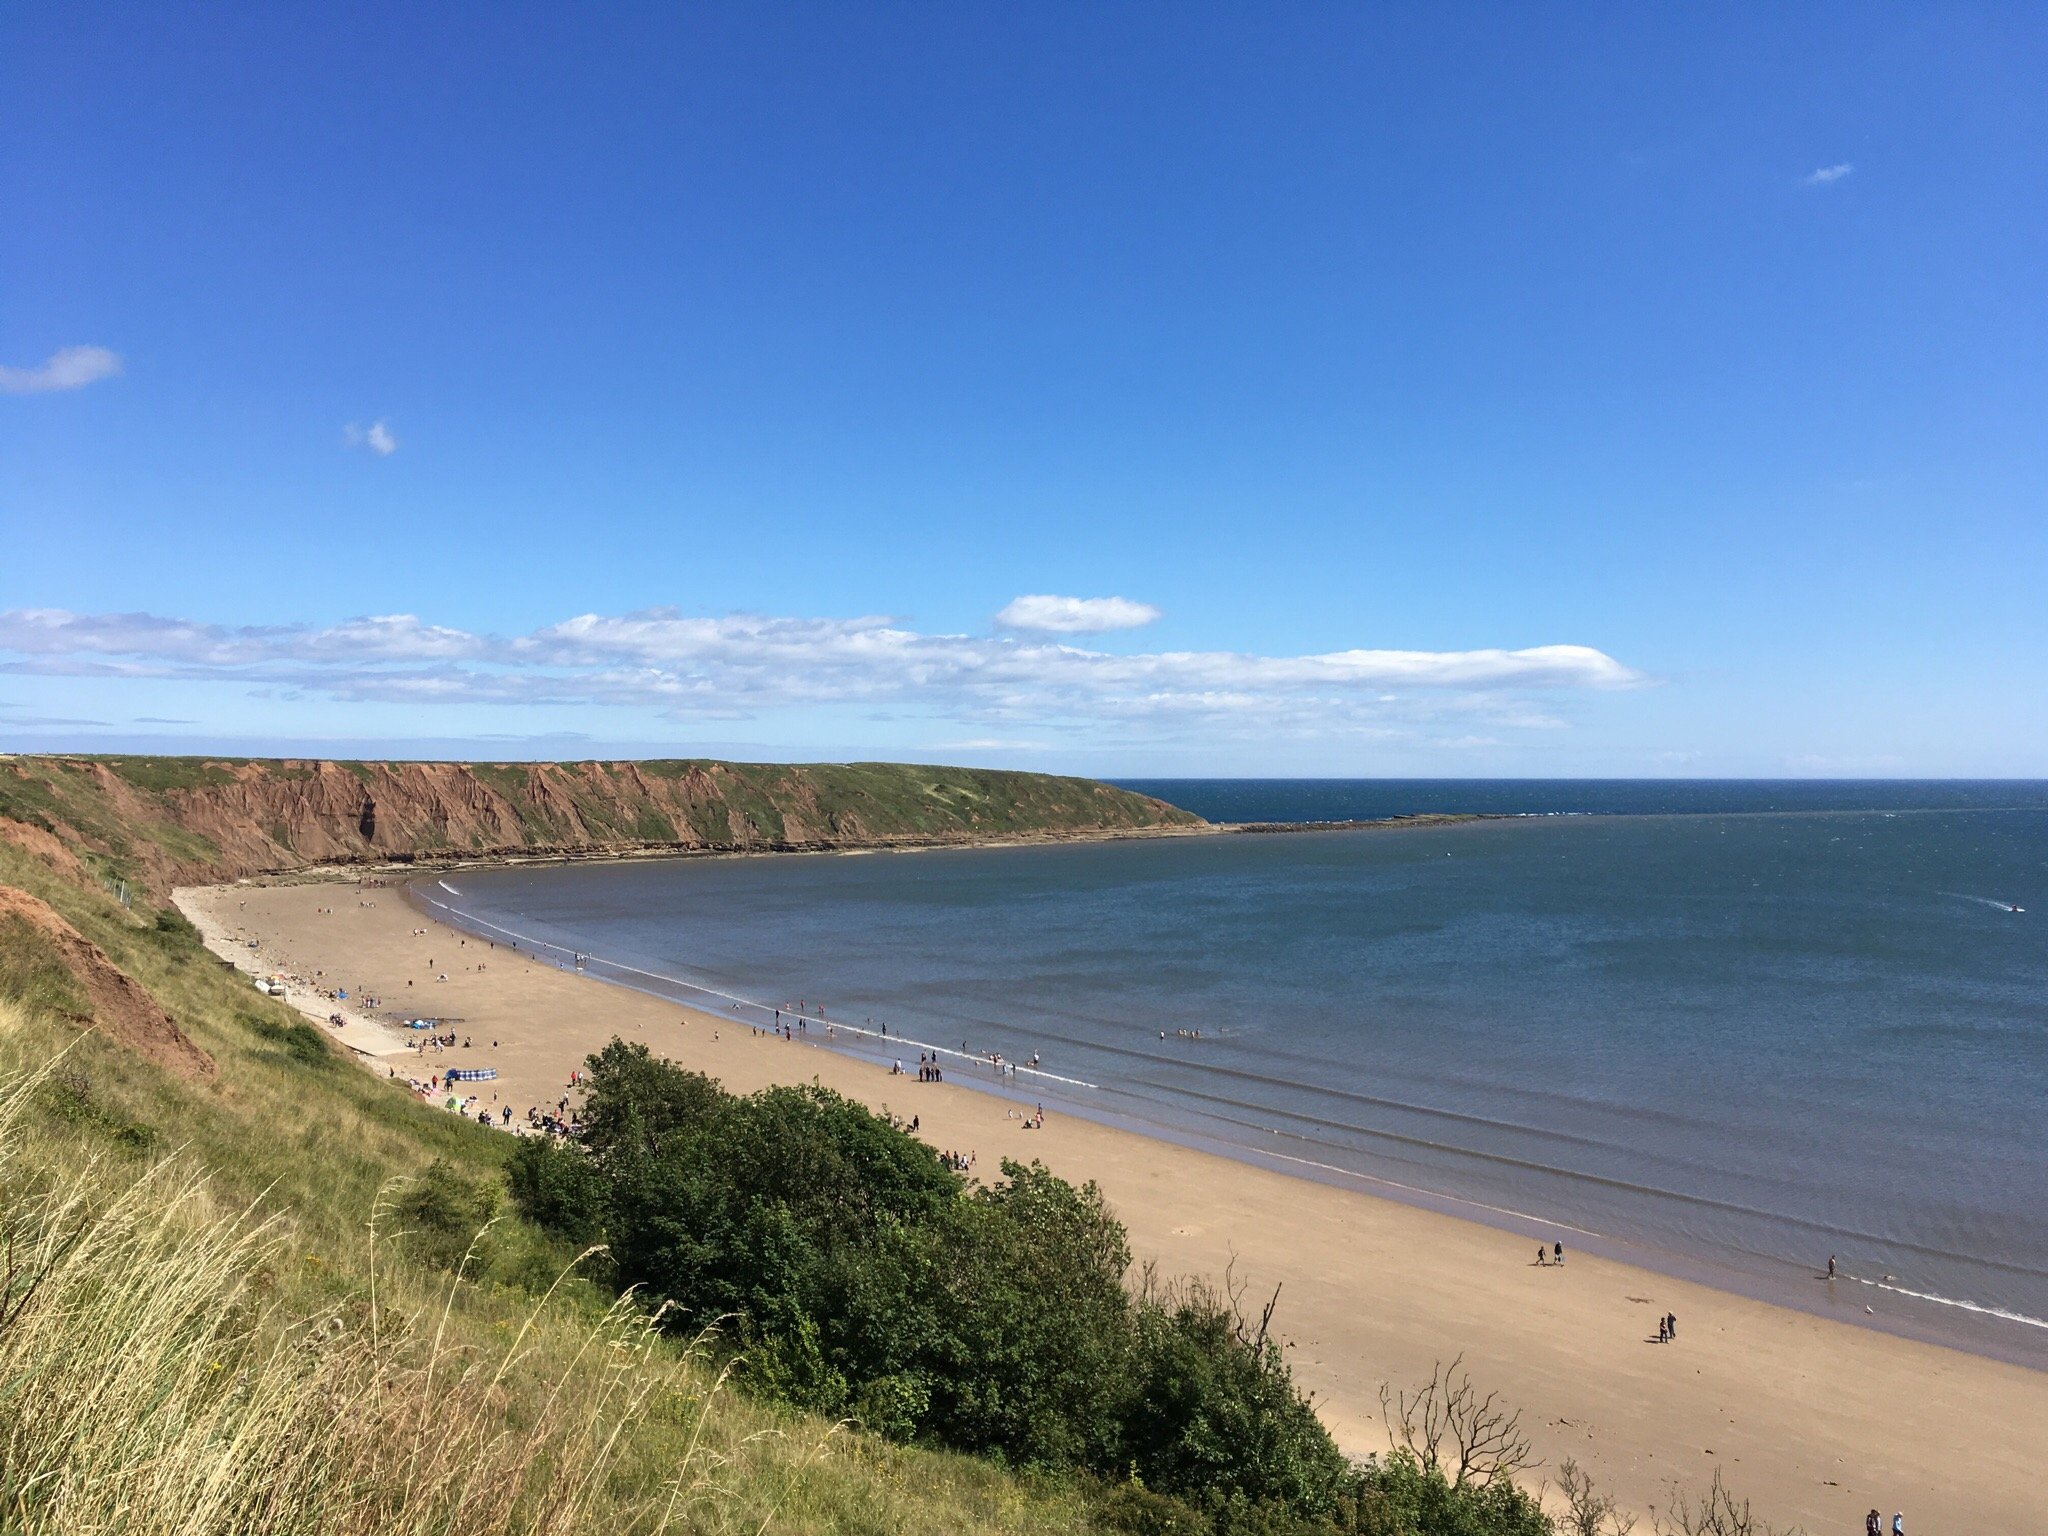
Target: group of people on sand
x,y
928,1068
561,1121
1667,1325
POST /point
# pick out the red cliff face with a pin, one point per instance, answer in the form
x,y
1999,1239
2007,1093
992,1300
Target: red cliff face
x,y
105,997
185,820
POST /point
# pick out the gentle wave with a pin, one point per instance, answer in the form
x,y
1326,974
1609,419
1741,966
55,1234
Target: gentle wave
x,y
1171,1091
473,922
1608,1181
1950,1301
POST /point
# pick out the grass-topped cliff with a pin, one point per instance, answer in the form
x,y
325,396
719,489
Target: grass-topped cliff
x,y
160,821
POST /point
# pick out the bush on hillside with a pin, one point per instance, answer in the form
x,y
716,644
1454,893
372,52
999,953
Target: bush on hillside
x,y
1214,1407
444,1217
1399,1496
861,1276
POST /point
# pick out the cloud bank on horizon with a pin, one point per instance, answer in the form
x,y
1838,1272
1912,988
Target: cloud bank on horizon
x,y
691,667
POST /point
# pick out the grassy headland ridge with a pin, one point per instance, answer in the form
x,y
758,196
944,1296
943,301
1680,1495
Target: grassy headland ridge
x,y
168,821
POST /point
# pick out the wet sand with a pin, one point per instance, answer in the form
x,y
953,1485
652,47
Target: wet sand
x,y
1814,1420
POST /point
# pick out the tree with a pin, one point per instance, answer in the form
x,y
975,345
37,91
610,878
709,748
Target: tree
x,y
1718,1513
1214,1411
1447,1426
1588,1512
558,1188
635,1102
1034,1335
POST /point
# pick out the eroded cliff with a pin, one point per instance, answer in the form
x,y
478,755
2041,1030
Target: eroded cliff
x,y
165,821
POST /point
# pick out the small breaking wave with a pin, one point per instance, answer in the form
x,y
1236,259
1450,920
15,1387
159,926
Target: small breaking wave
x,y
1949,1301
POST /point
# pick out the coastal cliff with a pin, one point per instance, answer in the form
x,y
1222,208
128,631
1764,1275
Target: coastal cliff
x,y
163,821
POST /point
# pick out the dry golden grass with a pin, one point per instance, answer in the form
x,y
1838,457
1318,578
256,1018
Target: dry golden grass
x,y
210,1321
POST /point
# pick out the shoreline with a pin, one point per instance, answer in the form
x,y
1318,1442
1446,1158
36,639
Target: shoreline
x,y
408,866
1775,1280
1819,1414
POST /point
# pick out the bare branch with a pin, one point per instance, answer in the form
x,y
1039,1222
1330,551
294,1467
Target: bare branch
x,y
1719,1513
1448,1427
1588,1512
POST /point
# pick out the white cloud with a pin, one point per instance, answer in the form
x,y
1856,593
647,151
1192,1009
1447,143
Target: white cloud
x,y
689,666
68,368
1075,615
376,437
1828,173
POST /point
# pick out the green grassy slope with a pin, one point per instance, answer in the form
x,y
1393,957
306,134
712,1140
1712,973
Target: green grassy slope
x,y
290,1134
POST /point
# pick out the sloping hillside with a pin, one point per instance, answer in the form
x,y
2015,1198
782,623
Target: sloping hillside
x,y
169,820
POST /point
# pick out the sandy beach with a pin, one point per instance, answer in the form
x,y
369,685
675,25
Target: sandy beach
x,y
1814,1420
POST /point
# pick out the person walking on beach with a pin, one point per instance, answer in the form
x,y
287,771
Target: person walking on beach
x,y
1898,1523
1671,1325
1557,1252
1873,1524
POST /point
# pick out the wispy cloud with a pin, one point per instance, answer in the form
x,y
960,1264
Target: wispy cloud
x,y
692,667
1045,614
67,368
1828,173
987,744
376,437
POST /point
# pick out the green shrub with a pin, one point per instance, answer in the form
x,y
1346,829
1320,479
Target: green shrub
x,y
1132,1509
559,1187
444,1215
1215,1411
860,1276
297,1041
1398,1496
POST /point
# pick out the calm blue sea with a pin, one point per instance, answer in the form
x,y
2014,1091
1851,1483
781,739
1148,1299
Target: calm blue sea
x,y
1725,1028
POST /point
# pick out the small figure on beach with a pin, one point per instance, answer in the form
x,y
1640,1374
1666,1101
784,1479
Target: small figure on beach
x,y
1898,1523
1663,1330
1557,1252
1671,1326
1831,1266
1542,1257
1873,1524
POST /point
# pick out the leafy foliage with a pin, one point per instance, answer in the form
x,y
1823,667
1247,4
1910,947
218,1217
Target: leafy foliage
x,y
863,1277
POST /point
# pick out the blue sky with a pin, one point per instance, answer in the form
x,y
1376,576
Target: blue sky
x,y
1440,390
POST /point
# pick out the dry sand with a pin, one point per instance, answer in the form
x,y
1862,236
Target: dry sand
x,y
1814,1420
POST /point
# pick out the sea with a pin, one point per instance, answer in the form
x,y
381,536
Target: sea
x,y
1723,1029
